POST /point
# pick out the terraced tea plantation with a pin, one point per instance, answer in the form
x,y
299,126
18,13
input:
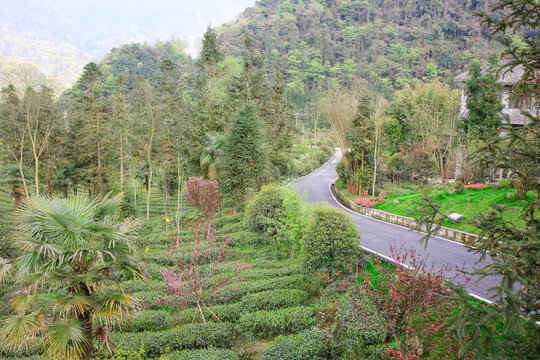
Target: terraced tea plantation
x,y
272,310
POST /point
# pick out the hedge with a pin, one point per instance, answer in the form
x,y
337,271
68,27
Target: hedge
x,y
144,286
227,313
236,291
194,336
202,354
263,324
308,345
273,299
246,237
222,221
152,299
150,320
257,274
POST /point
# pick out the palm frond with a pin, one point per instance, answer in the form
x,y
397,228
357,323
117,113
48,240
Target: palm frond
x,y
7,270
22,302
73,305
108,205
116,307
18,330
67,339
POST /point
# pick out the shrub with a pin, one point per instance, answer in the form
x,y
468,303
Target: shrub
x,y
273,299
258,274
204,195
227,313
202,354
330,236
354,334
151,299
502,183
150,320
457,187
265,209
263,324
307,345
191,283
195,336
249,238
227,220
234,292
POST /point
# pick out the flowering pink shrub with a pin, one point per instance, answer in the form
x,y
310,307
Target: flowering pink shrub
x,y
198,274
366,202
476,186
414,302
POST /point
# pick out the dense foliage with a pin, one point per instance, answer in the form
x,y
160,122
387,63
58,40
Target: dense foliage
x,y
330,241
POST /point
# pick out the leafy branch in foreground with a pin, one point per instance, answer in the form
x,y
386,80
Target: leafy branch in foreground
x,y
507,328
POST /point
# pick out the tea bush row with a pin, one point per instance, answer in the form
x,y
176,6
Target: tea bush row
x,y
263,324
236,291
310,344
194,336
159,320
201,354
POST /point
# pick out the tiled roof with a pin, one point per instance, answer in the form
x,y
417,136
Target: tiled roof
x,y
508,78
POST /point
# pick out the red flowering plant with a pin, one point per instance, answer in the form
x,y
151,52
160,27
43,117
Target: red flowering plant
x,y
476,186
199,271
413,302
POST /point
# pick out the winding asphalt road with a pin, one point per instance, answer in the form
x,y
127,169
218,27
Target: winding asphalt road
x,y
377,236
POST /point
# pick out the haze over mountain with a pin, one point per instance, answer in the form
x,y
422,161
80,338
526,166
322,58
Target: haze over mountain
x,y
60,36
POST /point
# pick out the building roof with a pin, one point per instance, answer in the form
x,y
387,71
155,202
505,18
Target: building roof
x,y
514,117
508,78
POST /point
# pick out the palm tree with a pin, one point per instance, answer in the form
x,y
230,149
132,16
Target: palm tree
x,y
211,155
73,251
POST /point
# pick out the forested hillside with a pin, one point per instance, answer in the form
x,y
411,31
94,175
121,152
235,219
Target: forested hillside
x,y
383,43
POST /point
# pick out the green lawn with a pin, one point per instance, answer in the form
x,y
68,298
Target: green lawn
x,y
468,203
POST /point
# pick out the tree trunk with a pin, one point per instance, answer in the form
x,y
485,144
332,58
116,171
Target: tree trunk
x,y
375,160
36,173
149,188
179,194
121,163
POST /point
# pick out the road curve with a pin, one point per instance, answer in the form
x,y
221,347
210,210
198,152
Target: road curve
x,y
377,236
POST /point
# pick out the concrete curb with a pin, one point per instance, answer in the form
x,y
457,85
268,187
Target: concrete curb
x,y
458,236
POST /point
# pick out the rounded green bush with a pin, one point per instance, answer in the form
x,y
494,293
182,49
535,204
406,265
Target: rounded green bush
x,y
265,209
330,238
307,345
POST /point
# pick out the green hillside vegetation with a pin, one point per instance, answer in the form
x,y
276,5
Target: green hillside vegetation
x,y
54,58
387,44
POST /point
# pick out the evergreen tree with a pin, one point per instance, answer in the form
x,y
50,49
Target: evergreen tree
x,y
278,115
484,105
87,129
210,54
244,156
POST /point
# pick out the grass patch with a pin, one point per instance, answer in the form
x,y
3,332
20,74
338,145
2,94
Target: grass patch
x,y
469,203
